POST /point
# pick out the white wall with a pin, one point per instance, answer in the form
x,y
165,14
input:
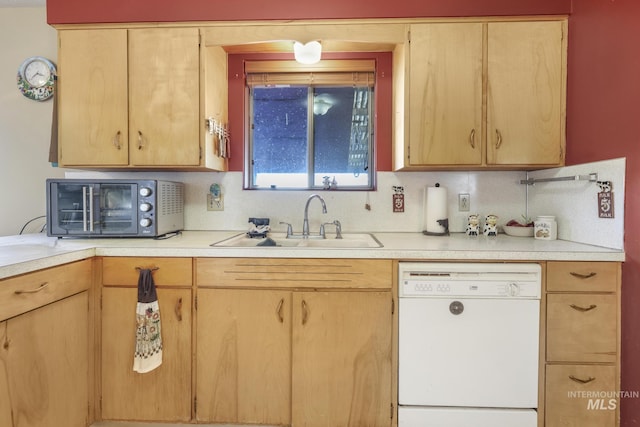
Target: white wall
x,y
25,125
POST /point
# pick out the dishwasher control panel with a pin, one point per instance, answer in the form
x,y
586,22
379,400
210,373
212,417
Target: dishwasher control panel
x,y
472,280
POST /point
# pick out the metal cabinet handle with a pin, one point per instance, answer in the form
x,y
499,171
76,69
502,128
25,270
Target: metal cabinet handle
x,y
116,140
178,309
472,138
140,141
32,291
582,276
279,310
580,380
305,312
583,309
499,139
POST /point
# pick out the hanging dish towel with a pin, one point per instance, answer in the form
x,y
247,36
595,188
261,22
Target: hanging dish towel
x,y
148,353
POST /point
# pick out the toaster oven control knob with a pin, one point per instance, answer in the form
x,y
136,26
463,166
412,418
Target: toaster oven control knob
x,y
145,191
145,207
145,222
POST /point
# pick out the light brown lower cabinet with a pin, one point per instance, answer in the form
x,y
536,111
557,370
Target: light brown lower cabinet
x,y
582,374
45,330
281,354
44,366
164,394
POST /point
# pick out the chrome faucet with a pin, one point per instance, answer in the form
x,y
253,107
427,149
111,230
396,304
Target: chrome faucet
x,y
305,222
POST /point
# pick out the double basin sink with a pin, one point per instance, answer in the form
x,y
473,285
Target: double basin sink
x,y
348,240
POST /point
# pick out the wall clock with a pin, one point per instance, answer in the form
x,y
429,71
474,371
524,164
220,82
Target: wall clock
x,y
36,78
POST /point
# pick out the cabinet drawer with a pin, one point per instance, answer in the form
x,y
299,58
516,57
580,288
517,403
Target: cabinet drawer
x,y
582,327
581,395
124,271
582,276
30,291
293,273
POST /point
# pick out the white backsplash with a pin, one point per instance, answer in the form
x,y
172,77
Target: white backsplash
x,y
575,203
492,192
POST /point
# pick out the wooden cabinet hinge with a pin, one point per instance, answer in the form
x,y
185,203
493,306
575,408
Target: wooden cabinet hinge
x,y
195,405
195,303
391,412
200,153
393,306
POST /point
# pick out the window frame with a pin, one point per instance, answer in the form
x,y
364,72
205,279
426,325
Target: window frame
x,y
327,73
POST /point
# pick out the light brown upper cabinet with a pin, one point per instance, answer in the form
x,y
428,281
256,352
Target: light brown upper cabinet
x,y
130,98
475,95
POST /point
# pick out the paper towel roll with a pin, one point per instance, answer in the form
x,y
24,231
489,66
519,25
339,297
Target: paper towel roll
x,y
435,209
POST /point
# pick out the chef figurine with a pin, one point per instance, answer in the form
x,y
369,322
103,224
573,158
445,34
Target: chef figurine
x,y
473,225
491,225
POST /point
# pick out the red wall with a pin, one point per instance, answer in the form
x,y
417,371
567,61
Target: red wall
x,y
603,122
79,11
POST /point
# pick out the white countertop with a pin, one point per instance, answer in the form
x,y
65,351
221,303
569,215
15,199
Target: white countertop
x,y
22,254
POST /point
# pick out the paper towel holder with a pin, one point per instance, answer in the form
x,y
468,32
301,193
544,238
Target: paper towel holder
x,y
442,222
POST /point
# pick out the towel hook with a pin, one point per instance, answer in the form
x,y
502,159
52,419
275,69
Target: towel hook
x,y
152,269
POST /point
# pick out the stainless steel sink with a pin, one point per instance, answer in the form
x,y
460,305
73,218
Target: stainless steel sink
x,y
349,240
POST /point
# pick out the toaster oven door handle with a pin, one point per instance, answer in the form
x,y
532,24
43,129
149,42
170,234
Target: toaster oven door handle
x,y
87,211
91,209
84,209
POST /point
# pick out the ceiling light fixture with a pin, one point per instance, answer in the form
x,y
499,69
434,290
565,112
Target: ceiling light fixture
x,y
307,53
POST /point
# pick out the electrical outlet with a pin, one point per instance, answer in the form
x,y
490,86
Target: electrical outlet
x,y
214,204
464,202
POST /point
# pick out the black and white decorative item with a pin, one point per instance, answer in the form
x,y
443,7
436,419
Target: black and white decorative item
x,y
490,226
473,225
36,78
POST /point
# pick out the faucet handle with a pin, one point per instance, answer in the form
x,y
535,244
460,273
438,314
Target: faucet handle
x,y
289,229
338,228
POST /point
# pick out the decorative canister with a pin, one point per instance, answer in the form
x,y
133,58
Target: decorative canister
x,y
545,228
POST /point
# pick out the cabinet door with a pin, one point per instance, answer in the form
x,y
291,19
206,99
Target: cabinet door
x,y
163,394
44,366
573,396
445,94
525,98
92,108
244,356
164,65
341,373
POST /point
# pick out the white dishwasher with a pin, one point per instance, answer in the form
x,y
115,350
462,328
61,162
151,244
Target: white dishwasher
x,y
468,344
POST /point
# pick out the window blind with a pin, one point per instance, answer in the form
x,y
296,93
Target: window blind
x,y
325,73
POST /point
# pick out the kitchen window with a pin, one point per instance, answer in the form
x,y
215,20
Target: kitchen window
x,y
310,129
